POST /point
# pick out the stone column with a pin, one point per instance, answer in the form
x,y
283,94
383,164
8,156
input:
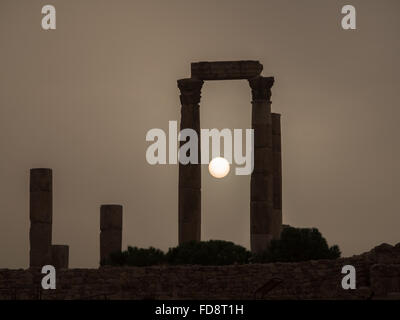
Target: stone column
x,y
190,174
60,256
110,230
277,172
41,216
262,223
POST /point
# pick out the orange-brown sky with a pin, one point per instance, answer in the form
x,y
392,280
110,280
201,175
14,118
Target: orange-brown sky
x,y
80,100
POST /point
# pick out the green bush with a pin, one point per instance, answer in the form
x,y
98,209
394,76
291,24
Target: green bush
x,y
298,244
213,252
295,244
136,257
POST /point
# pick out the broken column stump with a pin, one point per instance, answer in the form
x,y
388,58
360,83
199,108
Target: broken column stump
x,y
42,252
41,216
110,230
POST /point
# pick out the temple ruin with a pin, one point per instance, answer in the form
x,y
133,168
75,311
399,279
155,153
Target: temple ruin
x,y
266,179
265,185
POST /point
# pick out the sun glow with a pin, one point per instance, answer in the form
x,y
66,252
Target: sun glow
x,y
219,167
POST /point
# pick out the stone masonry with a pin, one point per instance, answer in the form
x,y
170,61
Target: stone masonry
x,y
110,229
41,216
377,274
42,252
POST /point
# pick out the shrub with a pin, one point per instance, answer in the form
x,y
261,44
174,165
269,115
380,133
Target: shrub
x,y
136,257
298,244
295,244
212,252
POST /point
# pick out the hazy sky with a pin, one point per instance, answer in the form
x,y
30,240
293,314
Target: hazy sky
x,y
80,100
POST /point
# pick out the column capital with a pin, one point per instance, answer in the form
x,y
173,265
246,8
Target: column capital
x,y
190,90
261,87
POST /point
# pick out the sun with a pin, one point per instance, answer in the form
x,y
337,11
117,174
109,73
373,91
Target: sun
x,y
219,167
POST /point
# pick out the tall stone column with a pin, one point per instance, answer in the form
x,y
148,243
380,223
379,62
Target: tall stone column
x,y
110,230
41,216
190,174
262,224
277,172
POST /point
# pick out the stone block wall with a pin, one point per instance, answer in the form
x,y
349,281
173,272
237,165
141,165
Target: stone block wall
x,y
377,274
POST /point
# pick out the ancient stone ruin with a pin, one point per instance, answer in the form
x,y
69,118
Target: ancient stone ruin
x,y
111,230
266,179
378,271
42,252
378,277
265,186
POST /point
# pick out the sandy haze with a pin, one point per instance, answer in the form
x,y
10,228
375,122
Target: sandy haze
x,y
80,100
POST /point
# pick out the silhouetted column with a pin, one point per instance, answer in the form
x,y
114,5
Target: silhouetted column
x,y
41,216
190,174
60,256
277,172
110,230
262,224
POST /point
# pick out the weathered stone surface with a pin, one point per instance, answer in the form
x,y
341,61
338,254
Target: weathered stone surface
x,y
189,197
385,278
190,90
225,70
190,118
262,219
277,186
276,143
60,256
277,171
40,236
276,232
111,217
41,216
189,231
190,176
41,206
386,253
190,204
261,187
259,241
262,136
111,229
110,242
261,87
41,196
41,179
263,160
276,123
40,258
302,280
261,112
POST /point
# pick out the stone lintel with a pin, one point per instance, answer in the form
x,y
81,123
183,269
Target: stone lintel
x,y
226,70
